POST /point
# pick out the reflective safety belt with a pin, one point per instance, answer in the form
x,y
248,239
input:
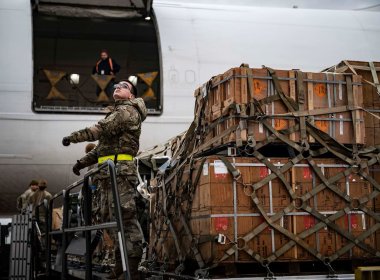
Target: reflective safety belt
x,y
125,157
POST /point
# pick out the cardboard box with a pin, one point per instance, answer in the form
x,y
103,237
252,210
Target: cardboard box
x,y
222,207
362,68
233,94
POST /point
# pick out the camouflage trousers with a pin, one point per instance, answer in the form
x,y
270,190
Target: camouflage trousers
x,y
103,210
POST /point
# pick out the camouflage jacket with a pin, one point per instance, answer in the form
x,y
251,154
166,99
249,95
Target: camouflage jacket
x,y
22,200
36,198
118,133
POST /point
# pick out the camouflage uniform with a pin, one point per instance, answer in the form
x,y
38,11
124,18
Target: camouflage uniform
x,y
36,199
22,200
118,133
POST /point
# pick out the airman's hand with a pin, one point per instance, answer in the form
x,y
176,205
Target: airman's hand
x,y
65,141
77,167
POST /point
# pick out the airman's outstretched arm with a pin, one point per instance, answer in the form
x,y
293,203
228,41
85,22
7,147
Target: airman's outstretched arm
x,y
111,126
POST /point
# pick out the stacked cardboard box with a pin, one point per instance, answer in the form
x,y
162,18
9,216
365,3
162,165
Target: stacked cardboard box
x,y
370,73
223,200
248,102
223,206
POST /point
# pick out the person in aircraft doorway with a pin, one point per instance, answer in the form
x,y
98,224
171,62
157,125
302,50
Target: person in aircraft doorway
x,y
106,66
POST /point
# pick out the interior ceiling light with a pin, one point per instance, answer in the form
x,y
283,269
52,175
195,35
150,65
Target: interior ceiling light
x,y
74,79
133,80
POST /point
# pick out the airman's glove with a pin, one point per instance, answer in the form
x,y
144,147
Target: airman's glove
x,y
66,141
77,167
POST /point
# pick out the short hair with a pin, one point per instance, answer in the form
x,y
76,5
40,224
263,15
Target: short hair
x,y
33,182
104,51
89,147
133,87
42,183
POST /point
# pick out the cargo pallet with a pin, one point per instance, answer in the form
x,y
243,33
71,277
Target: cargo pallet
x,y
274,169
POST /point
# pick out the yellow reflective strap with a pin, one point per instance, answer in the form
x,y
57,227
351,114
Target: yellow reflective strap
x,y
112,157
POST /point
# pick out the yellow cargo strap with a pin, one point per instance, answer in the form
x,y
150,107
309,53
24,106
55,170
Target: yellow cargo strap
x,y
112,157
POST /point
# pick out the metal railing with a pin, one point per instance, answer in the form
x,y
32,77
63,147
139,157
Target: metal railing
x,y
87,227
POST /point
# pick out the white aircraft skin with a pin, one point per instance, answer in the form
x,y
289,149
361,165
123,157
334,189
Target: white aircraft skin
x,y
197,41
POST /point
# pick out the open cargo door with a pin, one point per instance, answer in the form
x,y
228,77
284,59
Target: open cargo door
x,y
68,37
95,8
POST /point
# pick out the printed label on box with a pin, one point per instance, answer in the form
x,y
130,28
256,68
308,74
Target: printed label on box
x,y
221,224
261,128
322,125
307,174
205,169
363,222
257,86
309,221
263,172
320,90
279,124
220,169
354,221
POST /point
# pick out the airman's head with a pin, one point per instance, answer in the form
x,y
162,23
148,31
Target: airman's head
x,y
89,147
33,185
124,90
104,54
42,184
